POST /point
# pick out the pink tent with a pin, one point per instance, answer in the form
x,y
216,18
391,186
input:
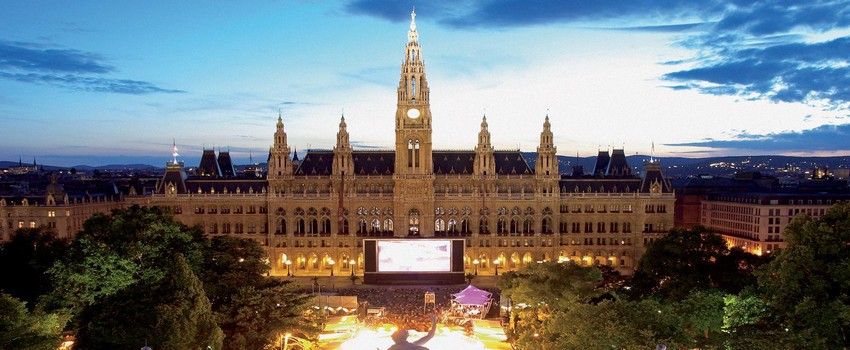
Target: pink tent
x,y
472,296
471,303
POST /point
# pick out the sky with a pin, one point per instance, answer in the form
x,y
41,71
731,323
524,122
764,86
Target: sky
x,y
106,82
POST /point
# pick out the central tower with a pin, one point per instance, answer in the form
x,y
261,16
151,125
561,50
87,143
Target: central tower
x,y
413,115
414,174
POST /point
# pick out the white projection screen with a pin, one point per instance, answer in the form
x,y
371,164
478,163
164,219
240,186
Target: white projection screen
x,y
415,256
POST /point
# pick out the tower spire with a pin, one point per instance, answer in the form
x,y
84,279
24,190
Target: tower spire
x,y
174,153
412,36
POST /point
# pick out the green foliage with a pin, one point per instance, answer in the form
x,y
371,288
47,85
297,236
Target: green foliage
x,y
230,264
683,261
116,251
551,284
256,316
250,308
21,329
702,315
25,259
807,285
539,290
607,325
172,313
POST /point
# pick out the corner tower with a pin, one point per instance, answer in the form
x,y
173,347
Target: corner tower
x,y
413,115
280,165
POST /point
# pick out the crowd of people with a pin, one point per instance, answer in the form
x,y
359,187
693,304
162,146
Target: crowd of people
x,y
405,306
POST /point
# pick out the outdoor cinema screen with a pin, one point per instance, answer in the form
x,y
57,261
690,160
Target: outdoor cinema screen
x,y
415,256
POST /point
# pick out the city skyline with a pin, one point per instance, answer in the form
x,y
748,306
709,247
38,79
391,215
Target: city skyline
x,y
86,83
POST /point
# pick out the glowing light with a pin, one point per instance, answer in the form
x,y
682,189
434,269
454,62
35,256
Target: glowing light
x,y
445,338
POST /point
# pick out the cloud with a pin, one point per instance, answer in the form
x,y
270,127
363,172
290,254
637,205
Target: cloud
x,y
513,13
757,49
31,57
794,72
822,138
66,68
91,84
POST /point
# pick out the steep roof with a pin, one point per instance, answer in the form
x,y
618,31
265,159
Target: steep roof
x,y
601,166
511,163
454,162
225,164
209,165
618,166
374,162
316,163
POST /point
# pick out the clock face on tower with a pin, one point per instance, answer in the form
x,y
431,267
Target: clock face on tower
x,y
413,113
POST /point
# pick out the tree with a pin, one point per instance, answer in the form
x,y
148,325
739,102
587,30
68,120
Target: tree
x,y
25,259
116,251
24,330
683,261
171,313
702,317
551,284
610,324
255,317
538,290
807,285
251,308
230,264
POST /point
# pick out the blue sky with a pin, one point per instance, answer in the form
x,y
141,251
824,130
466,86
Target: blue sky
x,y
94,82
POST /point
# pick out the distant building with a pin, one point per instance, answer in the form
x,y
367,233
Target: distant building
x,y
751,211
755,222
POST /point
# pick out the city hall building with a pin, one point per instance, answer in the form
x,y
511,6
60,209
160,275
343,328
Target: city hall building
x,y
313,214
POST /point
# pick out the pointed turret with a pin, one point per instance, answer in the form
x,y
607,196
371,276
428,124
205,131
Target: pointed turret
x,y
343,160
280,165
209,165
173,181
547,161
485,161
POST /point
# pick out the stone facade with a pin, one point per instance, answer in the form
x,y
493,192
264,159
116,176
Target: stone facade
x,y
313,214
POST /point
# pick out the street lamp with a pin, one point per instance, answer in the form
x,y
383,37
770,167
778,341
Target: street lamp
x,y
288,264
475,263
496,264
351,263
331,263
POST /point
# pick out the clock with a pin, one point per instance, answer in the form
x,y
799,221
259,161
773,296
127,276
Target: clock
x,y
413,113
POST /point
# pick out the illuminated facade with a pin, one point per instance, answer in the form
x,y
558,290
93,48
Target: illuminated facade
x,y
312,214
756,222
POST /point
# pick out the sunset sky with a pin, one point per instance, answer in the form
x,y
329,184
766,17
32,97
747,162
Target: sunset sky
x,y
103,82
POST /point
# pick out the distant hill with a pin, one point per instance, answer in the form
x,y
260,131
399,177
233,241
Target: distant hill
x,y
672,166
718,166
7,164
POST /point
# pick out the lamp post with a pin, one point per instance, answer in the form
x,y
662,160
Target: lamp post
x,y
475,263
288,264
351,263
331,263
496,264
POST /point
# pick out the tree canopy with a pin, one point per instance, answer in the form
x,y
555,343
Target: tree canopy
x,y
25,259
686,260
22,329
807,285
